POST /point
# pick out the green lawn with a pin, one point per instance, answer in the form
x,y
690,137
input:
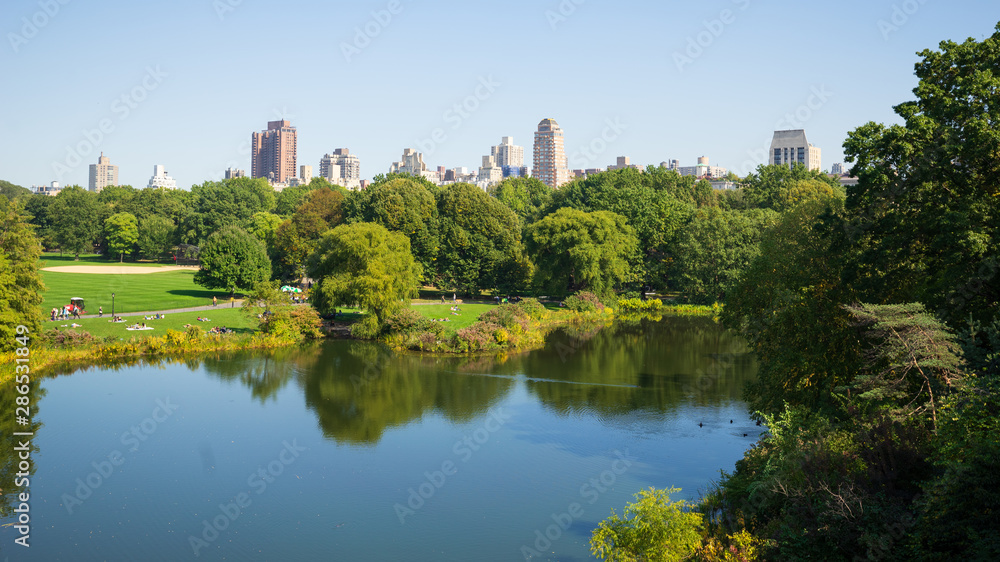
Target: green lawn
x,y
467,314
133,293
100,327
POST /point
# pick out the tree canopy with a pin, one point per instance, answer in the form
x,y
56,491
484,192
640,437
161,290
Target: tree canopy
x,y
363,264
232,259
573,250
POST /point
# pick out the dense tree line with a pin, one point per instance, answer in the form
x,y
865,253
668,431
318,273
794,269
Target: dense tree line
x,y
611,232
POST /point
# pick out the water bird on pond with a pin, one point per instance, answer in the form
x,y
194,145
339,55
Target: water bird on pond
x,y
730,421
700,424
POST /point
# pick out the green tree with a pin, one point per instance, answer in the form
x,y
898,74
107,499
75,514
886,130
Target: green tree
x,y
76,217
14,192
156,236
402,205
296,239
232,259
527,197
575,251
652,529
480,242
925,209
715,248
229,202
38,207
645,200
20,282
121,232
363,264
779,187
788,304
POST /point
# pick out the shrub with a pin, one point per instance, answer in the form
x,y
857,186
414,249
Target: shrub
x,y
480,336
530,306
69,338
639,305
583,301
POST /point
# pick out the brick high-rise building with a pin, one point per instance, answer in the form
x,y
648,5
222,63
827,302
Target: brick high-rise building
x,y
550,165
273,152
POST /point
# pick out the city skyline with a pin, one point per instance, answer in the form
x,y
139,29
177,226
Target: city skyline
x,y
678,83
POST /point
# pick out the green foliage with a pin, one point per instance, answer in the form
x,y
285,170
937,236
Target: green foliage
x,y
788,306
639,305
574,250
76,216
403,205
824,490
646,200
37,207
780,188
527,197
714,250
480,246
651,529
232,259
367,265
926,207
20,282
156,236
14,192
296,239
231,202
912,359
583,301
121,232
958,516
278,317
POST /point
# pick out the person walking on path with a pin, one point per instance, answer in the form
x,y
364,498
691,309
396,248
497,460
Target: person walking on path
x,y
215,301
100,312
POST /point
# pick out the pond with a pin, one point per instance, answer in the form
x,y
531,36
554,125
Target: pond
x,y
345,451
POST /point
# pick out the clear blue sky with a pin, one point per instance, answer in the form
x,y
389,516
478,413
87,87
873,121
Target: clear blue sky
x,y
218,75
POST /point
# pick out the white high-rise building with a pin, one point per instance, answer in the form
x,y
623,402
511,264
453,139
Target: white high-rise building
x,y
790,147
508,154
703,169
489,173
341,168
161,179
412,163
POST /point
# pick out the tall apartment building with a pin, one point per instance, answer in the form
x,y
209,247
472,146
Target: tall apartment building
x,y
412,163
233,173
341,168
305,173
838,168
161,179
550,165
623,162
509,158
103,174
273,152
790,147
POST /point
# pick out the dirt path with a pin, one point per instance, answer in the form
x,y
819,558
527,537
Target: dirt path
x,y
115,269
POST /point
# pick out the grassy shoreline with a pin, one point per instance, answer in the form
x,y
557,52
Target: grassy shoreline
x,y
50,360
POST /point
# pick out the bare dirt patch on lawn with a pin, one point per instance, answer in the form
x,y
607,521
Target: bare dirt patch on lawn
x,y
115,269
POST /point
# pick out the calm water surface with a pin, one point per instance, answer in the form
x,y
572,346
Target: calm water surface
x,y
344,451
